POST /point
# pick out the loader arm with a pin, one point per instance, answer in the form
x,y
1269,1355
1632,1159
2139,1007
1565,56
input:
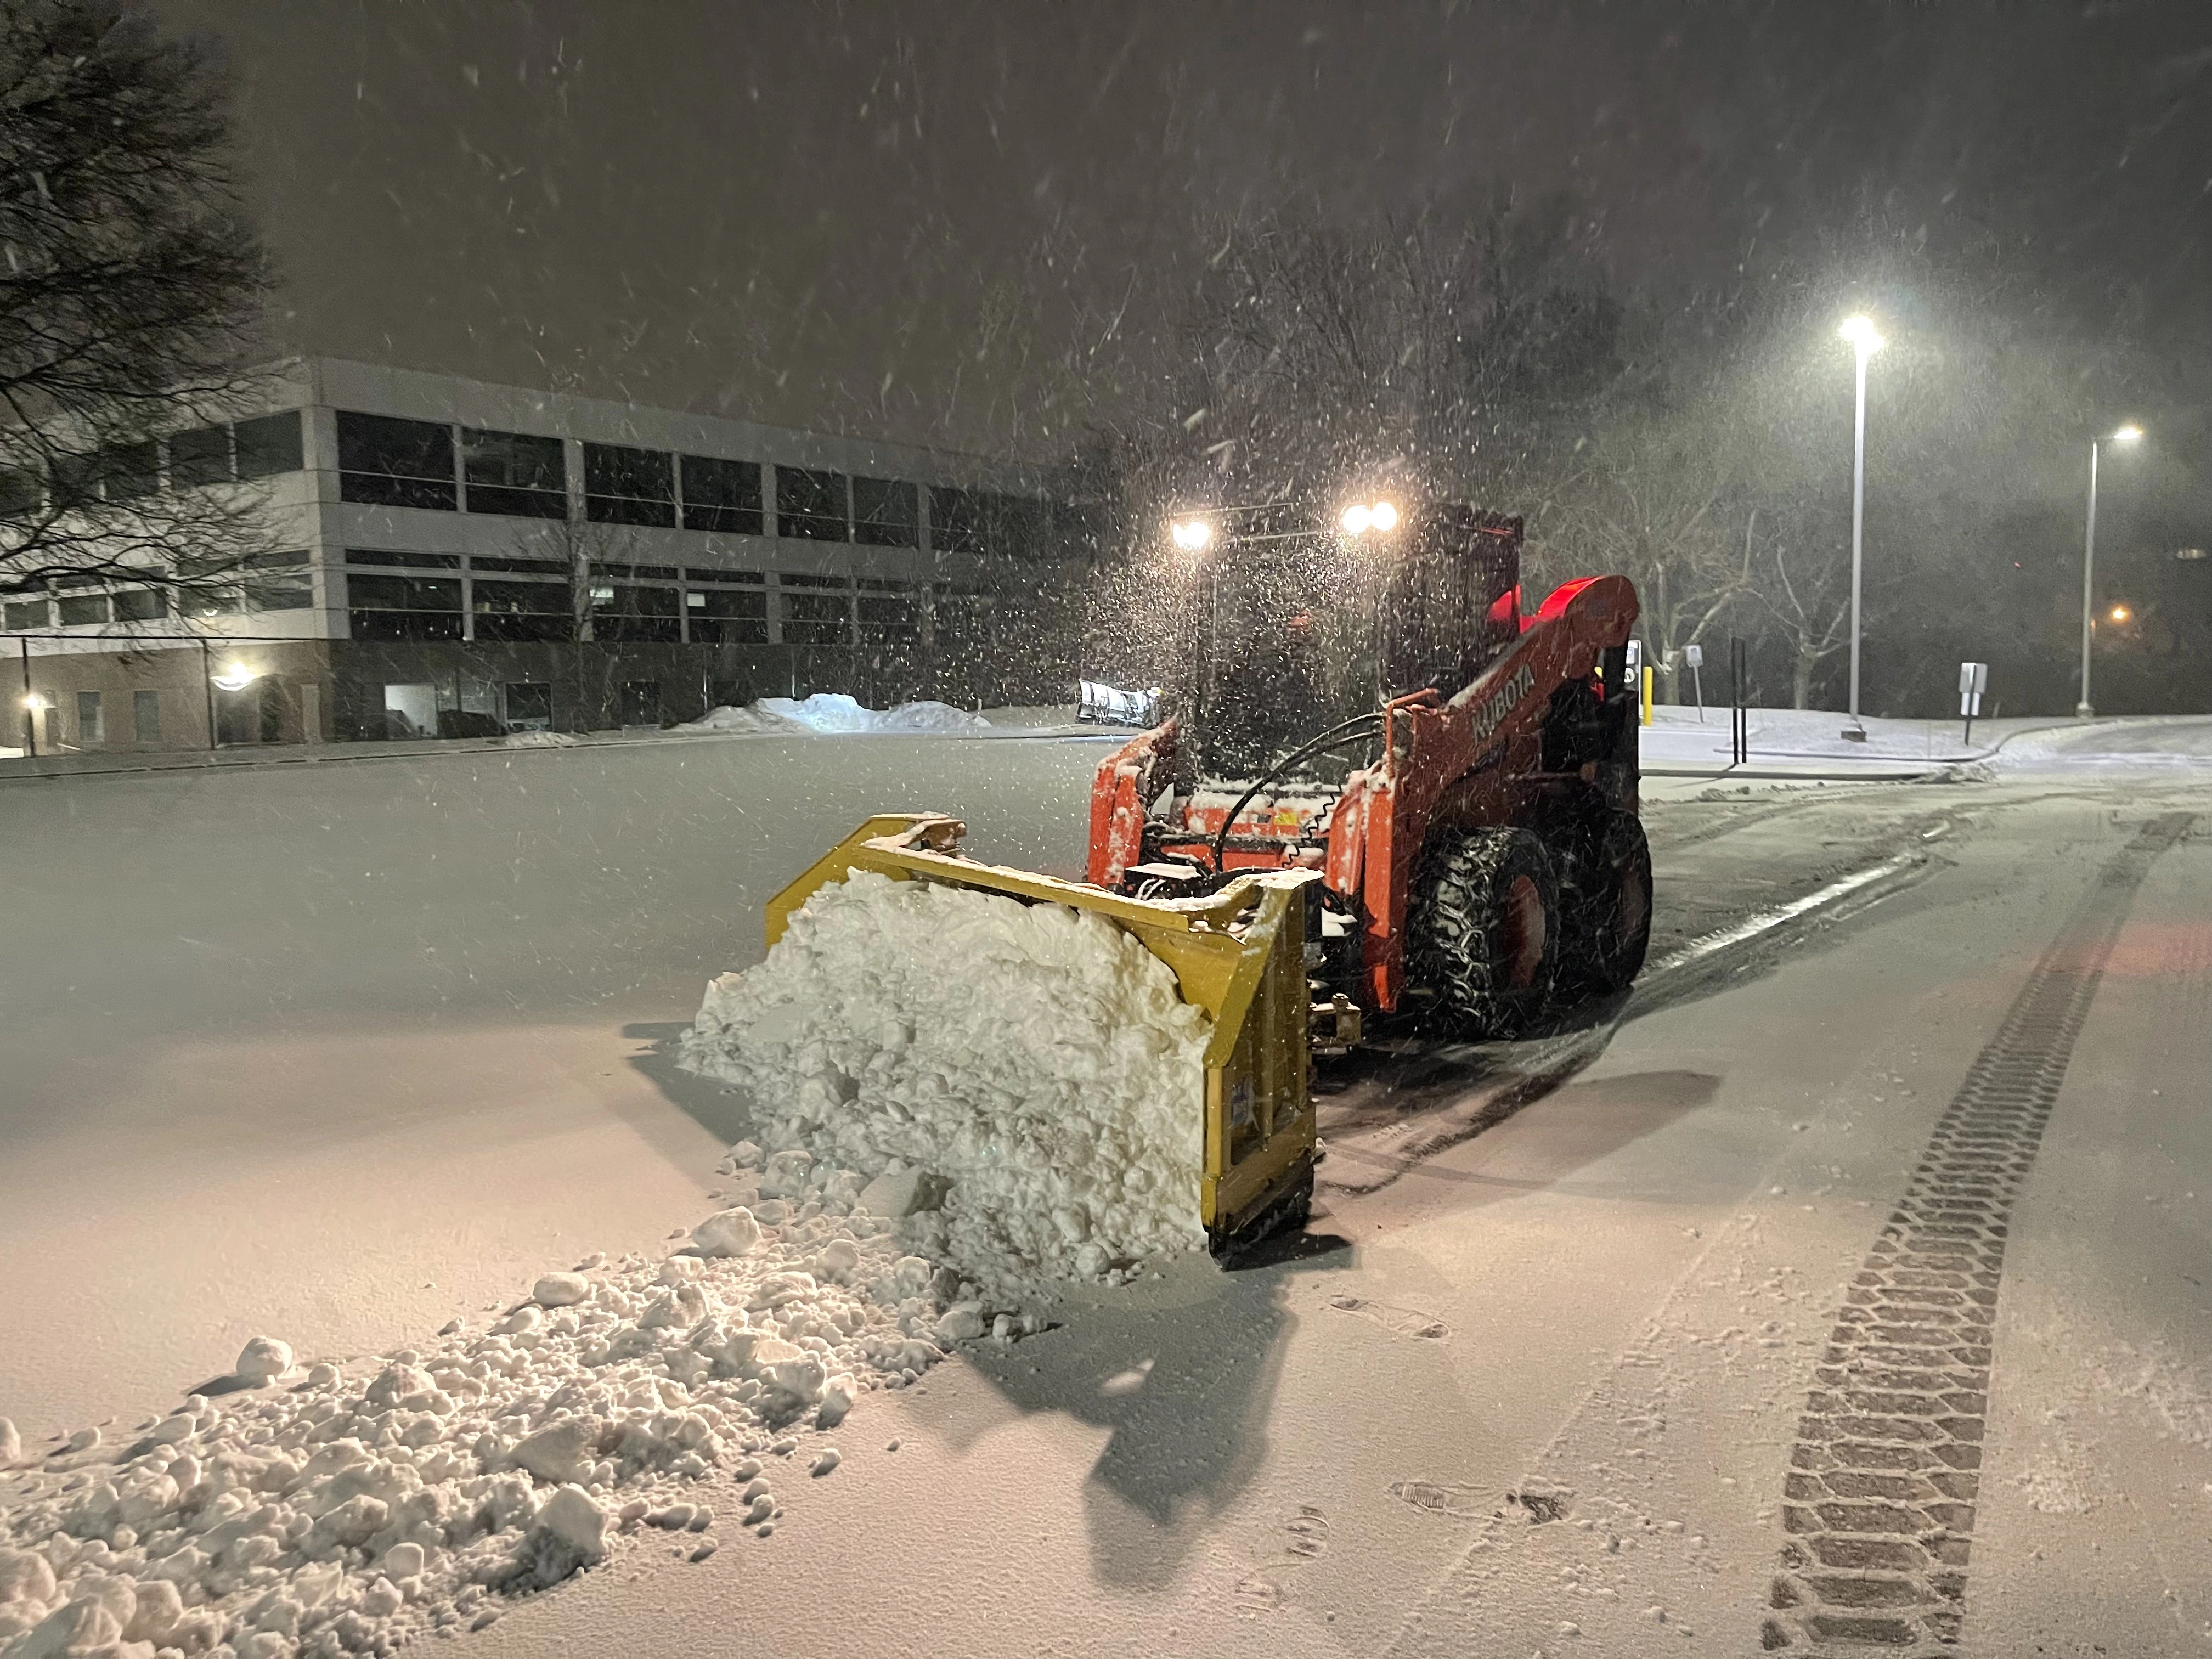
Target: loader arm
x,y
1475,759
1126,783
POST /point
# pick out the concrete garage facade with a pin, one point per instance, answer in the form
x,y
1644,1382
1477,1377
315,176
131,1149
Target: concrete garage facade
x,y
458,559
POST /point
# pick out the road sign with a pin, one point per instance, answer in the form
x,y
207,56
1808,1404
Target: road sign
x,y
1973,680
1694,655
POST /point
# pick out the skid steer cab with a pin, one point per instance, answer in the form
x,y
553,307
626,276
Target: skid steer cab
x,y
1374,707
1390,798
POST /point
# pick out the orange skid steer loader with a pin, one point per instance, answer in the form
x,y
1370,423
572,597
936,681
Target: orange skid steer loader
x,y
1458,851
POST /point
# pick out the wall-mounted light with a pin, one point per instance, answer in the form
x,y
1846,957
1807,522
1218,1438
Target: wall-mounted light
x,y
236,677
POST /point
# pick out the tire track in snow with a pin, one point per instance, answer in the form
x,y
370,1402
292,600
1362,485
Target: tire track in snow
x,y
1880,1496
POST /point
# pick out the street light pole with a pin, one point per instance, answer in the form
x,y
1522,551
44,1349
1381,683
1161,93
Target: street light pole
x,y
2126,434
1865,342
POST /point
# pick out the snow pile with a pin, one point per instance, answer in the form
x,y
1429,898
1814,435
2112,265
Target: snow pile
x,y
540,740
751,718
362,1506
831,713
1021,1084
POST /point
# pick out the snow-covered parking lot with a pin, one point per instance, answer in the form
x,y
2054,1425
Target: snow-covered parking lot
x,y
380,1060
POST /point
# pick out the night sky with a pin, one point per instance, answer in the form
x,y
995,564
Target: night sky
x,y
901,218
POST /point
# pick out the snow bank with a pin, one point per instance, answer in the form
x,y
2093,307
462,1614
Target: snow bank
x,y
540,740
370,1504
1020,1084
829,713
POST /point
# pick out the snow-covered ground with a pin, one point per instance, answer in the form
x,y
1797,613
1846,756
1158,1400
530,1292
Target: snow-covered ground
x,y
1811,742
2152,743
355,1052
346,1508
396,1025
1032,1120
1676,734
341,1507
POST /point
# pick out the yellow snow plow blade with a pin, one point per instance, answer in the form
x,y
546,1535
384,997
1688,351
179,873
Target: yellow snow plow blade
x,y
1240,955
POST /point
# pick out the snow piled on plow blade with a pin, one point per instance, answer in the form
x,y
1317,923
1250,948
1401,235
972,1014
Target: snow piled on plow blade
x,y
1028,1075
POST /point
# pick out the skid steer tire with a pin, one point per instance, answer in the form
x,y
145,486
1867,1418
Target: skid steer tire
x,y
1482,932
1605,907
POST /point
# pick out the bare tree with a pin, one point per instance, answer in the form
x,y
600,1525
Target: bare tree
x,y
1656,496
131,282
1440,351
1807,589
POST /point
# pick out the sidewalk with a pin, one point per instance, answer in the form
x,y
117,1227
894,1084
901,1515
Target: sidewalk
x,y
1808,743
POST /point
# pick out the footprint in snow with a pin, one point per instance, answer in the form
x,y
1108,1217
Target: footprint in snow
x,y
1264,1591
1465,1501
1398,1322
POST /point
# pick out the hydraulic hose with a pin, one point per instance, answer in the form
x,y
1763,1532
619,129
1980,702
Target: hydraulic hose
x,y
1339,736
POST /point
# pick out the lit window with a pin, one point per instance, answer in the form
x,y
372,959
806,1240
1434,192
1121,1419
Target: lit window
x,y
727,616
520,611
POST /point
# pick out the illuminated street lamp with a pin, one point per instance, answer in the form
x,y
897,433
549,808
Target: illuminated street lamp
x,y
1191,535
2127,435
33,703
1865,341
